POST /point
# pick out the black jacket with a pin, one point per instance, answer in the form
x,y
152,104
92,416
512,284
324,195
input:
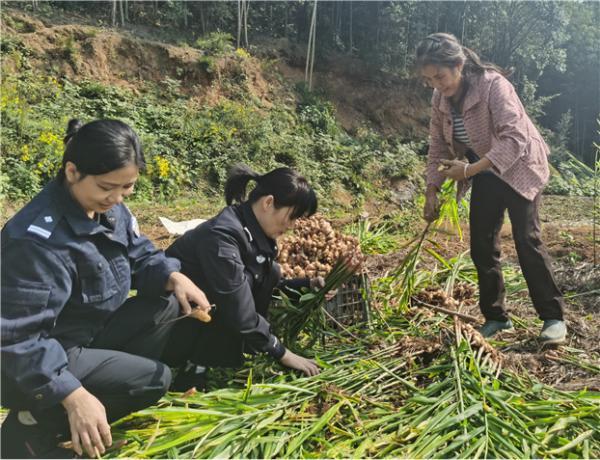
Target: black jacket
x,y
232,260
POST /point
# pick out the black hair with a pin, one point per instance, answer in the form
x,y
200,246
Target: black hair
x,y
445,50
286,185
100,147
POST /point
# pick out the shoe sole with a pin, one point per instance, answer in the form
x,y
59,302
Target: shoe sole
x,y
510,329
553,341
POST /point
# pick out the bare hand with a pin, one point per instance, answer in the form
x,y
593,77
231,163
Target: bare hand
x,y
89,427
431,210
318,283
455,169
293,361
186,291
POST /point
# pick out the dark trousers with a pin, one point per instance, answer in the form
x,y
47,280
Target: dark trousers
x,y
217,344
121,366
490,198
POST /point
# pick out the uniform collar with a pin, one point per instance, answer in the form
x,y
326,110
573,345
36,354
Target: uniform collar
x,y
254,231
74,214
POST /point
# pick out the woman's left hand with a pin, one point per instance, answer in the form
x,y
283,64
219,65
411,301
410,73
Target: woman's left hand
x,y
455,169
186,292
307,366
319,283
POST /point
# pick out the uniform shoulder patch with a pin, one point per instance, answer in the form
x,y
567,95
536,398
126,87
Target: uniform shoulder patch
x,y
135,228
39,231
44,224
248,234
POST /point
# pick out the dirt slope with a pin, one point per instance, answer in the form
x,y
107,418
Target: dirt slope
x,y
121,57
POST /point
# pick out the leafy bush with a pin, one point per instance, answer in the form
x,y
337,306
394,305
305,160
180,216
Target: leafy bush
x,y
188,146
215,44
569,176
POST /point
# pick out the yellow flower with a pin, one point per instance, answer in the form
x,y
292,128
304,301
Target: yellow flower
x,y
49,138
163,167
241,52
53,81
25,156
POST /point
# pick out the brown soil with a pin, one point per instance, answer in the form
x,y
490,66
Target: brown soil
x,y
567,232
84,52
364,97
81,52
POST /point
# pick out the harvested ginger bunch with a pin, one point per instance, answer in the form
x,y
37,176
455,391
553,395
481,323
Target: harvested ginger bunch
x,y
314,247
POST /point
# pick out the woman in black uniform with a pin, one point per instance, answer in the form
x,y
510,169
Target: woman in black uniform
x,y
77,351
231,257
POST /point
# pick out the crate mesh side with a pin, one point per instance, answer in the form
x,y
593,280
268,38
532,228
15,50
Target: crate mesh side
x,y
348,306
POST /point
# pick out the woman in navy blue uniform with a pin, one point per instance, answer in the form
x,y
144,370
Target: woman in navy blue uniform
x,y
231,257
77,353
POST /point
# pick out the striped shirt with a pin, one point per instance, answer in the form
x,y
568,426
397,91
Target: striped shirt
x,y
459,133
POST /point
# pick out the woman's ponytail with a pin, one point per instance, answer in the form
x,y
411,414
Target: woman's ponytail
x,y
287,187
473,64
237,181
72,128
444,49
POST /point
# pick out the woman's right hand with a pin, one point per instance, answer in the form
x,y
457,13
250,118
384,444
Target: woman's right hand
x,y
293,361
431,210
89,427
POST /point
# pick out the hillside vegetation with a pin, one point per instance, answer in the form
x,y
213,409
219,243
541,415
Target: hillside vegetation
x,y
203,107
197,109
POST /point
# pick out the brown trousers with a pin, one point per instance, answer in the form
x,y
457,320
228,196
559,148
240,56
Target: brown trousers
x,y
490,198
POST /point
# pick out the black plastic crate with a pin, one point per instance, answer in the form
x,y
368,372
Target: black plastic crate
x,y
351,302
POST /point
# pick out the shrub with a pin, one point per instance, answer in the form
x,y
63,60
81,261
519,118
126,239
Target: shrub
x,y
215,44
189,146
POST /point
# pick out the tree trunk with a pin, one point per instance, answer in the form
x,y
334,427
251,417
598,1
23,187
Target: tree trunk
x,y
114,12
464,12
285,30
314,41
122,12
310,53
340,22
202,21
350,32
240,8
378,33
406,49
246,3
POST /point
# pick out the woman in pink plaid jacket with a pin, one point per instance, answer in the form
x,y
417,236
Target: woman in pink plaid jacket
x,y
482,136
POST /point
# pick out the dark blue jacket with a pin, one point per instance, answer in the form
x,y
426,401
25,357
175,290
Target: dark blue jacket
x,y
63,275
233,261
